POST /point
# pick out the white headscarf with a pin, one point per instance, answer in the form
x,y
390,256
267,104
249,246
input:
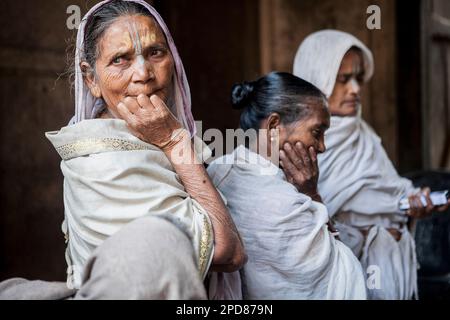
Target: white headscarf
x,y
319,58
88,107
355,173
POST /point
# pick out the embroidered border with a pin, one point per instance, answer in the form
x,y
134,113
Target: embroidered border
x,y
95,145
205,246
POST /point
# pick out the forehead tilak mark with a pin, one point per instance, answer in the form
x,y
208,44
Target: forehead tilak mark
x,y
135,37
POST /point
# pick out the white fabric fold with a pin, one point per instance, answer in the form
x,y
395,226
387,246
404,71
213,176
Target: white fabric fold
x,y
291,253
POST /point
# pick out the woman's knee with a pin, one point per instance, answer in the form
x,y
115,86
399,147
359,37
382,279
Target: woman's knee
x,y
150,258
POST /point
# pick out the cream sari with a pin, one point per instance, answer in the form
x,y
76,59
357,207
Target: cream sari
x,y
112,178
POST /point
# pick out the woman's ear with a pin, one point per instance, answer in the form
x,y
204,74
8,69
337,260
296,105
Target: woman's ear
x,y
272,126
90,79
273,122
276,130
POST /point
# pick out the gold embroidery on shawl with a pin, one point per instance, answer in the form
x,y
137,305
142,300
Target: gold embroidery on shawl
x,y
205,243
92,145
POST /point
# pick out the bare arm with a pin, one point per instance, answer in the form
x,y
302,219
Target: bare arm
x,y
151,121
229,252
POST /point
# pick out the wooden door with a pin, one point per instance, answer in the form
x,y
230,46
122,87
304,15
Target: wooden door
x,y
436,83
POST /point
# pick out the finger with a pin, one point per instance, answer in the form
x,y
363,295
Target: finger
x,y
426,190
418,200
288,166
161,107
301,150
412,206
145,102
158,103
131,104
420,209
293,156
429,207
313,156
124,112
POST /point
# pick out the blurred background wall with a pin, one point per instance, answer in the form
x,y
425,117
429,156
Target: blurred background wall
x,y
220,42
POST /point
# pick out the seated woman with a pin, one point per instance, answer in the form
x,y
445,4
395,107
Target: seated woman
x,y
141,220
291,252
358,182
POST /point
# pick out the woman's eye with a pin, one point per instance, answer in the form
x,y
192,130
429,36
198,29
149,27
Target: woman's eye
x,y
117,60
156,53
343,79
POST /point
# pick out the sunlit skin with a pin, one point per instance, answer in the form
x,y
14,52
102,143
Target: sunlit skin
x,y
133,59
345,99
299,143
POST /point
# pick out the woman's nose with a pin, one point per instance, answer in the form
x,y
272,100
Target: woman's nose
x,y
321,148
142,70
354,86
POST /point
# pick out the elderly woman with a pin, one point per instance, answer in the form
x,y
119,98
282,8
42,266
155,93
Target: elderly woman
x,y
142,218
358,183
291,252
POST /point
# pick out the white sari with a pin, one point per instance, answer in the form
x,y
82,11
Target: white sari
x,y
357,181
291,253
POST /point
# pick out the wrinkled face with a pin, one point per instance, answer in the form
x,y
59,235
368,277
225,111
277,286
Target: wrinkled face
x,y
134,58
310,131
345,99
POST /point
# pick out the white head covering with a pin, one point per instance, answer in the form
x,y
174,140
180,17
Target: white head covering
x,y
355,173
88,107
320,55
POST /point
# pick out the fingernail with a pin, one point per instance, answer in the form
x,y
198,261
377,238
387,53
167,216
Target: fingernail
x,y
298,144
287,146
281,153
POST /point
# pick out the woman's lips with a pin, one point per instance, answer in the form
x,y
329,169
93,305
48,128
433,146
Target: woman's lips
x,y
147,94
351,103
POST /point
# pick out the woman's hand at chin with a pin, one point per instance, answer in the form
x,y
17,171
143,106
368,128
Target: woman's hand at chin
x,y
150,120
301,169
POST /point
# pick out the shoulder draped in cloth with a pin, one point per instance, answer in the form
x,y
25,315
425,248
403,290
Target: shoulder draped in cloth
x,y
291,253
112,178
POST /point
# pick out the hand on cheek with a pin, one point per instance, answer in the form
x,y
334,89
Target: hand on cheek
x,y
299,164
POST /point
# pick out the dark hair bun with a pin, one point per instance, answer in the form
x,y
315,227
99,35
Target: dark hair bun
x,y
241,94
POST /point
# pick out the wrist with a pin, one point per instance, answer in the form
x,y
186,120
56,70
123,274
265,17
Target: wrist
x,y
180,150
313,194
180,137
